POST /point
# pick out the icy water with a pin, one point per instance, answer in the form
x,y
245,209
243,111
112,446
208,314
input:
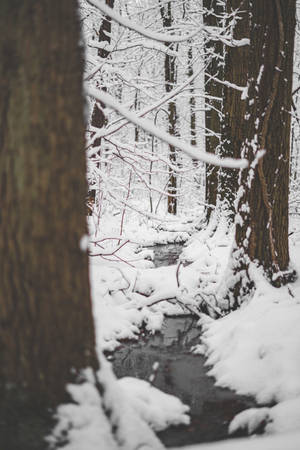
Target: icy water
x,y
166,255
182,374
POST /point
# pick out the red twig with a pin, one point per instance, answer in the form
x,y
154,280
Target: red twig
x,y
124,209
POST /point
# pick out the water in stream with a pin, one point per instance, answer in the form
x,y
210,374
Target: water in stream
x,y
166,255
182,374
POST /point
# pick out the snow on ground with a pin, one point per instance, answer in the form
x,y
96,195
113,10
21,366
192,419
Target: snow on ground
x,y
135,407
127,290
289,441
124,282
158,409
117,315
142,230
122,287
83,423
125,297
254,350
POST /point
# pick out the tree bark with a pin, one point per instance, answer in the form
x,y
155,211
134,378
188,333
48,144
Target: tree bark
x,y
47,333
213,93
98,114
192,100
98,119
170,82
262,221
234,106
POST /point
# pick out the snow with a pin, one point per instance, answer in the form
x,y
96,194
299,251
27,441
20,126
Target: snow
x,y
251,419
82,423
125,297
121,292
118,313
281,418
161,37
136,408
289,441
147,125
145,44
84,242
158,409
174,92
254,350
115,307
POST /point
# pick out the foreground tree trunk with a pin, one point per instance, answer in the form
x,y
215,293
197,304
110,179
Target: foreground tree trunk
x,y
262,220
47,333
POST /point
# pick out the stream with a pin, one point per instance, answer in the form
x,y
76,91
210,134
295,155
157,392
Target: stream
x,y
181,373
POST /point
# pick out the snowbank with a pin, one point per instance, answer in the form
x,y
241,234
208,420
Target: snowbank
x,y
118,311
142,230
158,409
256,351
289,441
135,408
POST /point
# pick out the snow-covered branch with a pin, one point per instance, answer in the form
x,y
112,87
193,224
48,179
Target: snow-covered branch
x,y
160,37
148,126
142,113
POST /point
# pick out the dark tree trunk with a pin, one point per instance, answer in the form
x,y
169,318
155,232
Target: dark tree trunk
x,y
234,106
98,114
98,119
213,92
192,100
170,81
47,333
262,221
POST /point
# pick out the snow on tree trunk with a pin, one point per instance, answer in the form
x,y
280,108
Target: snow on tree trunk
x,y
234,105
170,83
213,92
262,219
104,35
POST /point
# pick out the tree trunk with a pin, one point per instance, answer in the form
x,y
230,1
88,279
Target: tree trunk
x,y
47,333
170,81
262,221
98,119
192,100
234,106
213,93
98,115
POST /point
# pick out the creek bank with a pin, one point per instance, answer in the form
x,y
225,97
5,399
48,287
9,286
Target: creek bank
x,y
184,375
180,372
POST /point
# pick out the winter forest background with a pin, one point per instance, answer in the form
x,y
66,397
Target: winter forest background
x,y
151,219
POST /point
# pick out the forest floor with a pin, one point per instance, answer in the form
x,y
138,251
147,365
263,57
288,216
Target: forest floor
x,y
254,350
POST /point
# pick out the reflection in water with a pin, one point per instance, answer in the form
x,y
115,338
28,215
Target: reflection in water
x,y
166,255
182,374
